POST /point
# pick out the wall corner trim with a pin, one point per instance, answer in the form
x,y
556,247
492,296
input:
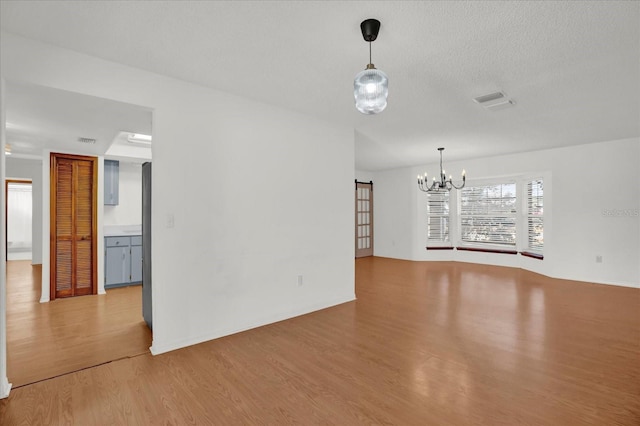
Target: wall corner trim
x,y
5,388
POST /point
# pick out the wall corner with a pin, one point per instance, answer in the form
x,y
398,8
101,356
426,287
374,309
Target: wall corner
x,y
5,388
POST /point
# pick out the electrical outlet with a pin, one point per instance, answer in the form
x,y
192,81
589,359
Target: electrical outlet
x,y
170,221
299,280
598,259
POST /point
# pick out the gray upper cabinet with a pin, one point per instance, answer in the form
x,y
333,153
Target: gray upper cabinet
x,y
111,182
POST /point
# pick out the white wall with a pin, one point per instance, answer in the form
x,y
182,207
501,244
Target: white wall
x,y
580,183
394,213
233,174
30,169
129,208
5,386
364,176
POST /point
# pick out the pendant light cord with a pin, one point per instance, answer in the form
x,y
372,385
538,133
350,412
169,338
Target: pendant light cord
x,y
369,51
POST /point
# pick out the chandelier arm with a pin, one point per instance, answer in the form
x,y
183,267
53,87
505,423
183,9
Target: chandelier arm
x,y
443,183
425,187
458,187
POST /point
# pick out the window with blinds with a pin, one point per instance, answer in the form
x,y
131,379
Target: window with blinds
x,y
488,215
535,216
438,219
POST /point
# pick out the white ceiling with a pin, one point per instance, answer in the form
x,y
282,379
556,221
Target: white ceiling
x,y
40,118
573,68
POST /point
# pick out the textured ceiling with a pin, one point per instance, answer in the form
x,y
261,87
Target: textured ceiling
x,y
571,67
40,118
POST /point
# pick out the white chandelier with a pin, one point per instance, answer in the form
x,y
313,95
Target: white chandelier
x,y
441,185
371,86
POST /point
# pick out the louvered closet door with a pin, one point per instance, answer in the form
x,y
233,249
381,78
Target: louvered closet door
x,y
64,229
73,249
83,235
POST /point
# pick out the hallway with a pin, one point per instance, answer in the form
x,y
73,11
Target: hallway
x,y
46,340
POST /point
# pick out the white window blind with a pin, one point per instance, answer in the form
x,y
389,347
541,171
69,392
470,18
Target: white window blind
x,y
438,219
535,216
19,216
488,215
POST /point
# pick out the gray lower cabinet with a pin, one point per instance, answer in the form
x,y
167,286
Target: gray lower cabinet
x,y
136,259
123,261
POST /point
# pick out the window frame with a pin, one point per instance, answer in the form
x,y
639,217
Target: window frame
x,y
521,217
440,243
489,246
536,251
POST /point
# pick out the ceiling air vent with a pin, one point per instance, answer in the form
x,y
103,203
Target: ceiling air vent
x,y
501,105
494,101
489,98
86,140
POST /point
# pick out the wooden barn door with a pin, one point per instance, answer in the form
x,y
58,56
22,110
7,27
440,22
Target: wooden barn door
x,y
364,219
73,225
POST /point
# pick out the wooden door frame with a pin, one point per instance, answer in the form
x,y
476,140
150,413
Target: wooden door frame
x,y
53,178
7,181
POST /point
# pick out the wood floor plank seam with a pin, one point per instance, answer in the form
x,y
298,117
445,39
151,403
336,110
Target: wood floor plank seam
x,y
80,369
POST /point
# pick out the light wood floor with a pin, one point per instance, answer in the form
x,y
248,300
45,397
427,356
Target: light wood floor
x,y
425,344
45,340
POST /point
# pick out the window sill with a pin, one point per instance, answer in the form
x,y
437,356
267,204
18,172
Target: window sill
x,y
533,255
487,250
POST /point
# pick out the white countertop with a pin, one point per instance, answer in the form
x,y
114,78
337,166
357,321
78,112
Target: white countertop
x,y
122,230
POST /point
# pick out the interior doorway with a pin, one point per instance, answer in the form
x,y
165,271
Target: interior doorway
x,y
19,214
364,219
45,340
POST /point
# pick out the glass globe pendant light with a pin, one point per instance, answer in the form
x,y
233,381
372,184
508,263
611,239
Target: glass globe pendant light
x,y
371,86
